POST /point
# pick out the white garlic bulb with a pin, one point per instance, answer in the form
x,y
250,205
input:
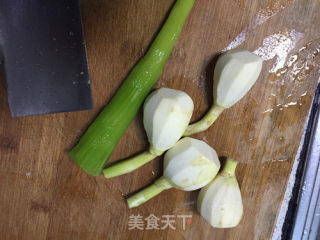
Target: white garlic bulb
x,y
220,202
191,164
234,75
167,113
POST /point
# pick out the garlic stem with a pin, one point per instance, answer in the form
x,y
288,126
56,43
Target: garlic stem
x,y
149,192
131,164
229,167
203,124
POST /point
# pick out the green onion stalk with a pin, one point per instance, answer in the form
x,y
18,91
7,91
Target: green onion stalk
x,y
96,145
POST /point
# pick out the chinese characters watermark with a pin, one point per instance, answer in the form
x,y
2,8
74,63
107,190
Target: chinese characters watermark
x,y
154,222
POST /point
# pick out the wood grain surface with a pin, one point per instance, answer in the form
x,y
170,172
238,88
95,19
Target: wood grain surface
x,y
44,195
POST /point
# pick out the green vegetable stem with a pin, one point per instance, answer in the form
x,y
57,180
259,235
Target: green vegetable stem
x,y
146,194
129,165
203,124
98,142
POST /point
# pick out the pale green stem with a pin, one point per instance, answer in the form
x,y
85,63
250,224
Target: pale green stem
x,y
203,124
229,167
149,192
131,164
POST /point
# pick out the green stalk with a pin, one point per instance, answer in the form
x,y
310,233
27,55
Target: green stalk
x,y
130,164
149,192
203,124
229,167
97,144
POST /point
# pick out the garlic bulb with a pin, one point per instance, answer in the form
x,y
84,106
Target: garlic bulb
x,y
235,73
189,165
167,113
220,202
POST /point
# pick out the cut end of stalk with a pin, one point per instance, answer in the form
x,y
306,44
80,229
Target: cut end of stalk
x,y
143,196
148,193
108,173
134,202
88,168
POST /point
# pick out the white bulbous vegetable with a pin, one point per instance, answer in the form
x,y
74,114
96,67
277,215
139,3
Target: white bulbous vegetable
x,y
189,165
167,113
220,202
235,73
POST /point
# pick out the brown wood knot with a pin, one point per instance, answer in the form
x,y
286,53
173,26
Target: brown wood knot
x,y
39,207
8,144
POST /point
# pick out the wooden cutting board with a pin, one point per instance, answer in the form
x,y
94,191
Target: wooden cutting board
x,y
44,195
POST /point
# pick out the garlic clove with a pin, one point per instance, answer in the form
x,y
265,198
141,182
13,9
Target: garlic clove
x,y
190,164
220,202
235,73
167,113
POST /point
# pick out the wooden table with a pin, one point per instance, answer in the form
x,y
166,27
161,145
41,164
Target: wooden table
x,y
44,195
